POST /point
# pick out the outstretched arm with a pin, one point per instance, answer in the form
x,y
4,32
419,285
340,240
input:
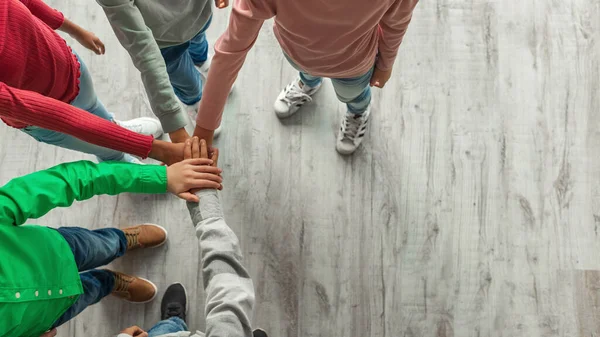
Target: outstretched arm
x,y
229,289
35,194
247,16
131,30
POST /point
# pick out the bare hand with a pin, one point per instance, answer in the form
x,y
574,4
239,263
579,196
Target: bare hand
x,y
90,41
380,77
221,3
135,331
192,174
51,333
204,134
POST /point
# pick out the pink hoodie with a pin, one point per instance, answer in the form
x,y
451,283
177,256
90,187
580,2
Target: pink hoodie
x,y
329,38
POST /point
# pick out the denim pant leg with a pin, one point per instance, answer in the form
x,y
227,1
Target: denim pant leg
x,y
355,92
306,78
171,325
97,284
88,101
184,76
199,45
91,249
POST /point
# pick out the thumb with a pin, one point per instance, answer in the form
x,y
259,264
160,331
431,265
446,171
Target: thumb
x,y
188,196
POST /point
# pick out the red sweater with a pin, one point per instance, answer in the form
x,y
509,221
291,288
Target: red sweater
x,y
39,77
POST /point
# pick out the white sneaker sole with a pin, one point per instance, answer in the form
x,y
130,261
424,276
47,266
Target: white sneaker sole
x,y
153,297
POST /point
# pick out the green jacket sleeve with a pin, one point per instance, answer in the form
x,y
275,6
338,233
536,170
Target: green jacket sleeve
x,y
35,194
131,30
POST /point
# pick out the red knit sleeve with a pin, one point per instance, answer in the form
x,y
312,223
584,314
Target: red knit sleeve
x,y
47,14
34,109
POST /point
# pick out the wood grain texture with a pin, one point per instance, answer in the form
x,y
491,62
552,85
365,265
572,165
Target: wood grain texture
x,y
472,209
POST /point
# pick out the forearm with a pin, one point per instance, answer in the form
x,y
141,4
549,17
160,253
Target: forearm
x,y
225,278
71,28
393,25
230,53
34,195
130,28
34,109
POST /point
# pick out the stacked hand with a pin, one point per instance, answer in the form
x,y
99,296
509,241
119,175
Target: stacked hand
x,y
195,172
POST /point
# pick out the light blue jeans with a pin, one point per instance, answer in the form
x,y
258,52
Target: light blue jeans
x,y
88,101
180,61
171,325
354,91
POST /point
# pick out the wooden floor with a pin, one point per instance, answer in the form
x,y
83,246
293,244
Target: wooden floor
x,y
472,209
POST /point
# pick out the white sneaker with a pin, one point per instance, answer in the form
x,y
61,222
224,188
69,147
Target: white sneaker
x,y
205,67
352,131
193,113
292,97
131,159
143,125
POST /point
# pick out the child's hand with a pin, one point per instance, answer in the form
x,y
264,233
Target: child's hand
x,y
380,77
221,3
192,174
90,41
135,332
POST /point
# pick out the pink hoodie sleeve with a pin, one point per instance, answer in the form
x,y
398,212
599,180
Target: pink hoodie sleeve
x,y
50,16
393,27
231,49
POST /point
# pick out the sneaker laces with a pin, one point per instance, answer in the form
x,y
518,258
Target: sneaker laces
x,y
352,125
121,283
293,94
173,310
132,236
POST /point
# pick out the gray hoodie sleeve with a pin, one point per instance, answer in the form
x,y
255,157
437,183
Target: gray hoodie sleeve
x,y
129,26
229,289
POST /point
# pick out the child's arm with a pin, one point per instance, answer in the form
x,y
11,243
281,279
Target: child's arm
x,y
56,20
50,16
393,27
130,28
34,109
84,37
34,195
229,289
247,16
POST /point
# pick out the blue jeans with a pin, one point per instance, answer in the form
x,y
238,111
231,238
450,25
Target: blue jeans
x,y
180,61
92,249
173,324
354,91
88,101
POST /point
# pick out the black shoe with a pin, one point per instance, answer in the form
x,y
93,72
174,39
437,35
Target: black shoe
x,y
174,302
259,333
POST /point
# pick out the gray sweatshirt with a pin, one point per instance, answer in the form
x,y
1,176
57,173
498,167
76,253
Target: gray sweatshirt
x,y
229,289
145,26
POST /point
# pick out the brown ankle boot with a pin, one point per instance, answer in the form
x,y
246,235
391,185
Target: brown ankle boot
x,y
133,289
145,236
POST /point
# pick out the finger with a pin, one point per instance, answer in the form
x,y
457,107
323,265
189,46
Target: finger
x,y
187,150
187,196
373,81
101,45
207,169
199,162
195,148
143,334
204,183
215,157
203,149
205,176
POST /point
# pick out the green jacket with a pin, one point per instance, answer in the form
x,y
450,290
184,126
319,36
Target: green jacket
x,y
39,279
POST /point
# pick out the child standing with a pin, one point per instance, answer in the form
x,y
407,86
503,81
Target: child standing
x,y
166,41
40,284
354,42
45,87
